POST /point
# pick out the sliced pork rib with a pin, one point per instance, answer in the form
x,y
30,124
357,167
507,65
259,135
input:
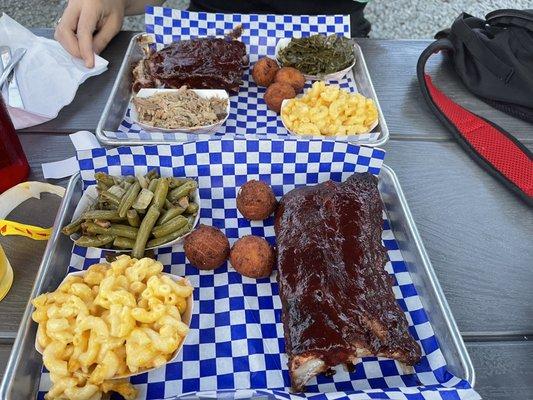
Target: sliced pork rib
x,y
202,63
337,298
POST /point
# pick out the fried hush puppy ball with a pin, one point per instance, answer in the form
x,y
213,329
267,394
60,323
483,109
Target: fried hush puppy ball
x,y
207,247
291,76
256,200
276,93
253,257
264,71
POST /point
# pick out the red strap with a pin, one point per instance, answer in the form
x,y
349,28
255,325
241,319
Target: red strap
x,y
491,144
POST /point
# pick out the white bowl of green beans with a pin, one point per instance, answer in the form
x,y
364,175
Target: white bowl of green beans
x,y
135,213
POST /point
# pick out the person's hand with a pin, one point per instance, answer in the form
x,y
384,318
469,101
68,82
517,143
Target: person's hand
x,y
87,26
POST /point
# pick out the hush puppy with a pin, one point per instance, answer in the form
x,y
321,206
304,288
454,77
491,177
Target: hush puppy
x,y
253,257
207,247
276,93
264,71
291,76
256,200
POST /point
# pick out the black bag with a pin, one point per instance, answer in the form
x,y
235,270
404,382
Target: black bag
x,y
494,59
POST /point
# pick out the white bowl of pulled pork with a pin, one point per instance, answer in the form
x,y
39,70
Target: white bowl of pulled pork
x,y
183,110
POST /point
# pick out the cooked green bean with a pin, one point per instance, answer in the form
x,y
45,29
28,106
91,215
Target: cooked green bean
x,y
143,200
133,218
183,202
94,241
151,174
110,198
169,214
192,208
128,199
146,227
111,215
165,239
117,191
73,227
142,181
130,179
175,182
104,178
160,193
170,226
123,243
113,229
181,191
125,185
100,187
153,184
168,205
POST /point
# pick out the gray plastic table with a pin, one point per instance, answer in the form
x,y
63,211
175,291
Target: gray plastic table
x,y
478,235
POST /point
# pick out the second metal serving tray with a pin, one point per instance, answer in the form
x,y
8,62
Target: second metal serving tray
x,y
119,99
21,379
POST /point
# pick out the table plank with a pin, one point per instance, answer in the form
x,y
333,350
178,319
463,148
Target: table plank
x,y
504,370
392,66
5,351
477,234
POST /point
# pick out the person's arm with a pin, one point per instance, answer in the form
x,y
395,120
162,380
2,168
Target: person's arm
x,y
87,26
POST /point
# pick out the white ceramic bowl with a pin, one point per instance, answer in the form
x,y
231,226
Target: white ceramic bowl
x,y
186,318
89,197
284,103
334,76
206,129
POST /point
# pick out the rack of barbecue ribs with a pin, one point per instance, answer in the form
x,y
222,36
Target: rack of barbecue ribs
x,y
337,299
200,63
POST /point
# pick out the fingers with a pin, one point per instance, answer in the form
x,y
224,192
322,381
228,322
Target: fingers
x,y
65,32
107,31
86,27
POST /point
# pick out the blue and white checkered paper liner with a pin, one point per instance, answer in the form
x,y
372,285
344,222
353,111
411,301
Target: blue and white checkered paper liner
x,y
248,112
236,339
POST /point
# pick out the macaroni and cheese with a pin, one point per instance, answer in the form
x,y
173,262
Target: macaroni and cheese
x,y
112,321
329,110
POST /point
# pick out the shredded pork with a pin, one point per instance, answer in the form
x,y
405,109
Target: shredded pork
x,y
181,109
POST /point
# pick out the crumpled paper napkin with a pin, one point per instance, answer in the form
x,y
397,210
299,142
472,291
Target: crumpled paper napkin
x,y
47,76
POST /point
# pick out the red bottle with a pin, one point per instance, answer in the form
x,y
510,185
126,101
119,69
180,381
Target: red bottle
x,y
14,167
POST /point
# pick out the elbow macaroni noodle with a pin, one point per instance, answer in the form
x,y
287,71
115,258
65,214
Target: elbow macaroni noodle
x,y
117,319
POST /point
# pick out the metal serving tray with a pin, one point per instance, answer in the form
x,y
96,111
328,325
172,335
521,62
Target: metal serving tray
x,y
120,96
21,379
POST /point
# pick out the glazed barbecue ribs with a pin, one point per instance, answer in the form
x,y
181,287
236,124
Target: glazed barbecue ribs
x,y
337,298
200,63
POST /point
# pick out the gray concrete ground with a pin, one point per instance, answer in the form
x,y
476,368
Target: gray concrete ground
x,y
398,19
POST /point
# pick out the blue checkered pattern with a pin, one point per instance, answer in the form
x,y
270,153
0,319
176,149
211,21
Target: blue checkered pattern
x,y
236,338
248,112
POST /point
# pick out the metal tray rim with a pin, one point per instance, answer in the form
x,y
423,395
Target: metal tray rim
x,y
26,320
451,324
104,139
432,281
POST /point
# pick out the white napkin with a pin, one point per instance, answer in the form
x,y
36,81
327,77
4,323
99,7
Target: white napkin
x,y
48,76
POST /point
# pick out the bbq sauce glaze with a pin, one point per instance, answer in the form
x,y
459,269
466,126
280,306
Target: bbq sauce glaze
x,y
204,63
336,296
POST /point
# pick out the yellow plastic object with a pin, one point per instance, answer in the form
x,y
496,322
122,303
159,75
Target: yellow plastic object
x,y
11,198
6,274
16,228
